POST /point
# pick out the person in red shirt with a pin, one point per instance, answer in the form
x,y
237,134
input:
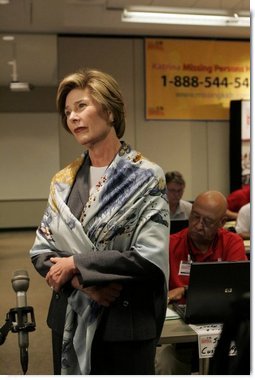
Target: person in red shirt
x,y
205,239
236,200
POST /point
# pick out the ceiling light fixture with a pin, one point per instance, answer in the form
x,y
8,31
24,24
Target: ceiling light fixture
x,y
184,16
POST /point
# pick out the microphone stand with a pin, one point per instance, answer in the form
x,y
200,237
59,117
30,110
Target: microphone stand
x,y
19,319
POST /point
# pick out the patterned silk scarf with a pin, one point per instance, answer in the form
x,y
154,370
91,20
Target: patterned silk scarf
x,y
127,210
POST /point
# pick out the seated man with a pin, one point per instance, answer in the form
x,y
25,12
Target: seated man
x,y
179,209
243,222
203,240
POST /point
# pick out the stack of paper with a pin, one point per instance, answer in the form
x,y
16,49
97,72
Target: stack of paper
x,y
171,314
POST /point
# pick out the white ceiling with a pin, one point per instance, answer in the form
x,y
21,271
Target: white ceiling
x,y
35,23
104,17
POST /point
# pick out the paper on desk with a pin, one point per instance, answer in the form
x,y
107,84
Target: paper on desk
x,y
247,243
208,336
171,314
214,328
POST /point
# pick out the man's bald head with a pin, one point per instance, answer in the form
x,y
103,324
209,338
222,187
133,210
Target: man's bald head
x,y
213,201
207,215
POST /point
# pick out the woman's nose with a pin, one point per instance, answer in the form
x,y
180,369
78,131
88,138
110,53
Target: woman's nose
x,y
73,116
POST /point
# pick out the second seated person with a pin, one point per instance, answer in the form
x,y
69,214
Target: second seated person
x,y
204,240
243,221
237,199
179,208
103,240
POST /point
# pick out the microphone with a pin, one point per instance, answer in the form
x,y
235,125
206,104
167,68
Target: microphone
x,y
20,283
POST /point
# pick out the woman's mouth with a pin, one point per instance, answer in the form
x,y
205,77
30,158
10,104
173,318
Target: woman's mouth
x,y
79,130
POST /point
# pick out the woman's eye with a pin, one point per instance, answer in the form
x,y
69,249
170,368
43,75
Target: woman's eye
x,y
81,106
67,113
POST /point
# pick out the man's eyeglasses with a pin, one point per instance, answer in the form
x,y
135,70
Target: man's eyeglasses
x,y
207,222
174,191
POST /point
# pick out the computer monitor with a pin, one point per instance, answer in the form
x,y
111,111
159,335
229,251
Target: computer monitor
x,y
178,225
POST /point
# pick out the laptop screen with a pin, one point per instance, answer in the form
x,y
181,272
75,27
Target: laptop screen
x,y
213,287
178,225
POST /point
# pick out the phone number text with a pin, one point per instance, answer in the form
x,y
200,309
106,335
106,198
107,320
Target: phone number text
x,y
195,81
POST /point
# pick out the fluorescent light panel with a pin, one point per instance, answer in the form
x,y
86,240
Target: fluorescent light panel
x,y
178,17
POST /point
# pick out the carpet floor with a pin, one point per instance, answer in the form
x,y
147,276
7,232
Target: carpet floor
x,y
14,255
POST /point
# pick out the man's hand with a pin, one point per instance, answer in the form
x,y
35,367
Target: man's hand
x,y
103,295
176,294
61,272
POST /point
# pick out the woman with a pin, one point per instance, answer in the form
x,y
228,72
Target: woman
x,y
103,240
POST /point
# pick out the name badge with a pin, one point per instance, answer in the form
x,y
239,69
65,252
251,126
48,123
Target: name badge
x,y
184,268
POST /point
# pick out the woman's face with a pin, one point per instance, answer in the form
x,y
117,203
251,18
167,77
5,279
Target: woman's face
x,y
86,119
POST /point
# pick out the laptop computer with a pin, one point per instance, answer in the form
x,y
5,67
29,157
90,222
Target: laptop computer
x,y
178,225
213,286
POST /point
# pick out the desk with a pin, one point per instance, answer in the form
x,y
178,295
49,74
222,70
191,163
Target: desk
x,y
230,224
247,247
247,243
177,331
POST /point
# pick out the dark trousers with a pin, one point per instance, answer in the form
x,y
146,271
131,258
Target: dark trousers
x,y
135,357
57,352
113,358
123,358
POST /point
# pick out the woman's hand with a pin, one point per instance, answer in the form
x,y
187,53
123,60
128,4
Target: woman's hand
x,y
103,295
61,272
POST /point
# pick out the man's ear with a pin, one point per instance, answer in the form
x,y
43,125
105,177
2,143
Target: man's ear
x,y
223,220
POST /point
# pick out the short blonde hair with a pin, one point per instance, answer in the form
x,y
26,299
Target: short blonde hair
x,y
104,90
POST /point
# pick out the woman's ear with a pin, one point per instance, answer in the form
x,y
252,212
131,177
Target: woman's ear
x,y
111,118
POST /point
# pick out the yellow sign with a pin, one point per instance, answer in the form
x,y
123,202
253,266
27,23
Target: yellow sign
x,y
195,79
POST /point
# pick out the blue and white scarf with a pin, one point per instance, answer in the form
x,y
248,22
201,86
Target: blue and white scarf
x,y
128,210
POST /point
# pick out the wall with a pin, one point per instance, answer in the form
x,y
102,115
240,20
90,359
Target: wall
x,y
198,149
